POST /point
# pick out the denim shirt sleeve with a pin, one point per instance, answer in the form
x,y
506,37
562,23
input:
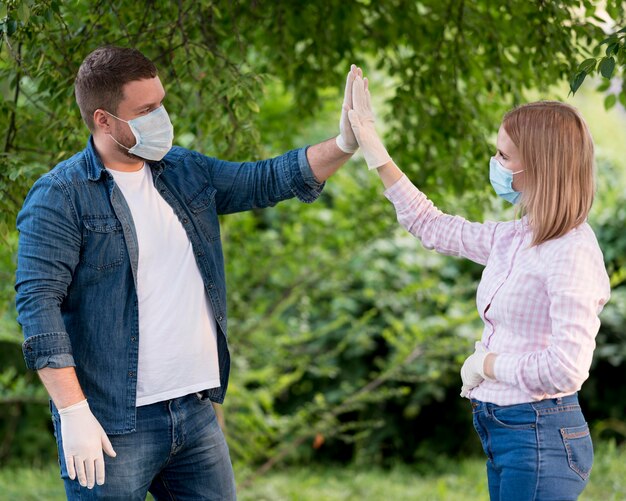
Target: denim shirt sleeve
x,y
48,251
245,185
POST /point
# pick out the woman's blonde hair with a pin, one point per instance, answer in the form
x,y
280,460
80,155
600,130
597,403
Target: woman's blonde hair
x,y
556,153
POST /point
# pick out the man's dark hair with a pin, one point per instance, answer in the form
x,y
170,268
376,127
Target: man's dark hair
x,y
103,74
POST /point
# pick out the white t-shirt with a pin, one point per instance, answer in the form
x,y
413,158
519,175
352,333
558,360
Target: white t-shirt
x,y
177,330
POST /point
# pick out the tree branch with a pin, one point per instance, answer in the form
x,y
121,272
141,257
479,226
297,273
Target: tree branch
x,y
11,129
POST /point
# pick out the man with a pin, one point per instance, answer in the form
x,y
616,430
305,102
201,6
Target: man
x,y
121,292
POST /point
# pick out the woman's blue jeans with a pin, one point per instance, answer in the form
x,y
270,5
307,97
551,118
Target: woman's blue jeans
x,y
178,452
536,451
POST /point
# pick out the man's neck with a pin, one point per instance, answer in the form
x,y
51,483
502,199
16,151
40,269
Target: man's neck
x,y
113,159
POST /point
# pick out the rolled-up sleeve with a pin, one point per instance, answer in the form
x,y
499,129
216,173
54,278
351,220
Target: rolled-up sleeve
x,y
52,349
305,186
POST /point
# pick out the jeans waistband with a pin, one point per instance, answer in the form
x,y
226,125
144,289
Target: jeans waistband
x,y
551,402
538,405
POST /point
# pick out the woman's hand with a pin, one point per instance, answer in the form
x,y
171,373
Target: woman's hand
x,y
476,368
362,121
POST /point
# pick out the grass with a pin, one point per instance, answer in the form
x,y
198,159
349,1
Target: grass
x,y
464,479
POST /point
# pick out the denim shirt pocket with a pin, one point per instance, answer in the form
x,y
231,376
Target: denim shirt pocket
x,y
103,242
202,206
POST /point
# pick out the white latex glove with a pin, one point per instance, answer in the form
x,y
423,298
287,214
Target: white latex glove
x,y
83,443
346,140
473,370
362,120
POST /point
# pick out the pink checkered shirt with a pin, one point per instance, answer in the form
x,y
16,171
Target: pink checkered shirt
x,y
539,305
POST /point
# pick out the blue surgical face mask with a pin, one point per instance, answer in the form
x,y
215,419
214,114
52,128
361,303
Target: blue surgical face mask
x,y
153,133
502,181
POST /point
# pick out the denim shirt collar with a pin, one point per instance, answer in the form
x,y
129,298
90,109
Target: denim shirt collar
x,y
95,167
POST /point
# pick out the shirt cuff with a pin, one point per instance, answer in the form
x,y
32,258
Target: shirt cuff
x,y
396,188
505,368
403,194
303,182
52,349
306,171
55,361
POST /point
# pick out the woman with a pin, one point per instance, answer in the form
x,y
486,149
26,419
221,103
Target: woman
x,y
541,291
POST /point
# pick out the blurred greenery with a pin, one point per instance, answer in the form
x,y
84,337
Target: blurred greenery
x,y
346,335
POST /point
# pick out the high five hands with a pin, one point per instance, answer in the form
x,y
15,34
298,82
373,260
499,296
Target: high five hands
x,y
356,125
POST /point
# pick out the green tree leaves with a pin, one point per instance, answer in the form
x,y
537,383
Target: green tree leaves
x,y
615,57
447,70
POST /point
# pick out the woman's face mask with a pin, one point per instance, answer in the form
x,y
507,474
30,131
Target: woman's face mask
x,y
153,133
502,181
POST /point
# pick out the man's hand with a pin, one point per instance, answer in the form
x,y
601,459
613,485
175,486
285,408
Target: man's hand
x,y
362,121
346,140
473,370
83,442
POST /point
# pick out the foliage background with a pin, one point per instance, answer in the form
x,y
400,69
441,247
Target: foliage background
x,y
346,336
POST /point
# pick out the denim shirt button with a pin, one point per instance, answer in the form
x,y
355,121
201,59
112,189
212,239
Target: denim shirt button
x,y
131,374
211,286
133,338
220,318
185,221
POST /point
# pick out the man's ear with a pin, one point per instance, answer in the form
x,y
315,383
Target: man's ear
x,y
101,121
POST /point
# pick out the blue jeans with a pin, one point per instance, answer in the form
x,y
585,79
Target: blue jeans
x,y
536,451
178,452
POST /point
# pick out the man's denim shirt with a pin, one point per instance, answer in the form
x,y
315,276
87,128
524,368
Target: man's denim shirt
x,y
77,262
